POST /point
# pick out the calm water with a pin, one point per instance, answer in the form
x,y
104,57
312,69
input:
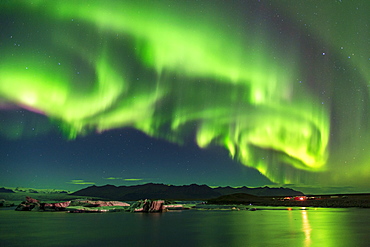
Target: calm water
x,y
313,227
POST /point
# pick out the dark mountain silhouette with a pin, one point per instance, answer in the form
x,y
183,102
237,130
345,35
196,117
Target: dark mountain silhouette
x,y
172,192
4,190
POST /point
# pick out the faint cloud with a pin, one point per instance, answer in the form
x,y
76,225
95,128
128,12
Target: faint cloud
x,y
112,178
79,181
132,179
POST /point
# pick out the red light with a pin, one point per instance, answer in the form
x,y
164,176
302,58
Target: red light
x,y
300,198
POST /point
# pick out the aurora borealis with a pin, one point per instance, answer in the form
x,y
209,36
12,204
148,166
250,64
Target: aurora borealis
x,y
283,89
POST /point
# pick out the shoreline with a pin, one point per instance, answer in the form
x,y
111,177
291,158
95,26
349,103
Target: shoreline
x,y
240,200
322,203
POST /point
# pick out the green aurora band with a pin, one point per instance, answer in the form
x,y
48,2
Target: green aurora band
x,y
171,74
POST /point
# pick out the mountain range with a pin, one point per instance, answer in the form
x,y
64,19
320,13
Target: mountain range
x,y
173,192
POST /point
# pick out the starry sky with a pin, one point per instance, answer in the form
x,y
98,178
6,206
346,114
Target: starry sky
x,y
239,93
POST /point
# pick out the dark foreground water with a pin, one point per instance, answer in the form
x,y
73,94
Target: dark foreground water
x,y
312,227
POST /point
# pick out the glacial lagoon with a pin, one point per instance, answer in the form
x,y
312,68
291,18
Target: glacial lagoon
x,y
306,227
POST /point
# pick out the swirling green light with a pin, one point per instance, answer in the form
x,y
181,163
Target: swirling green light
x,y
166,74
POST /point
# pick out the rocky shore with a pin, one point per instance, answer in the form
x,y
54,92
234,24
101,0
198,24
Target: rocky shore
x,y
31,204
238,201
90,206
5,203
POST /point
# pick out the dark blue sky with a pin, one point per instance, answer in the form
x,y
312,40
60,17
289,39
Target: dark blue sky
x,y
52,161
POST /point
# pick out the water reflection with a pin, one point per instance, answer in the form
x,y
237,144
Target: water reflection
x,y
283,227
306,227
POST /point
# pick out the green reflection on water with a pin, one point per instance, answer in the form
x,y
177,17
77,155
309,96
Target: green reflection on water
x,y
283,227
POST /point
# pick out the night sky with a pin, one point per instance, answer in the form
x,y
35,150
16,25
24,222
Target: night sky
x,y
239,93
